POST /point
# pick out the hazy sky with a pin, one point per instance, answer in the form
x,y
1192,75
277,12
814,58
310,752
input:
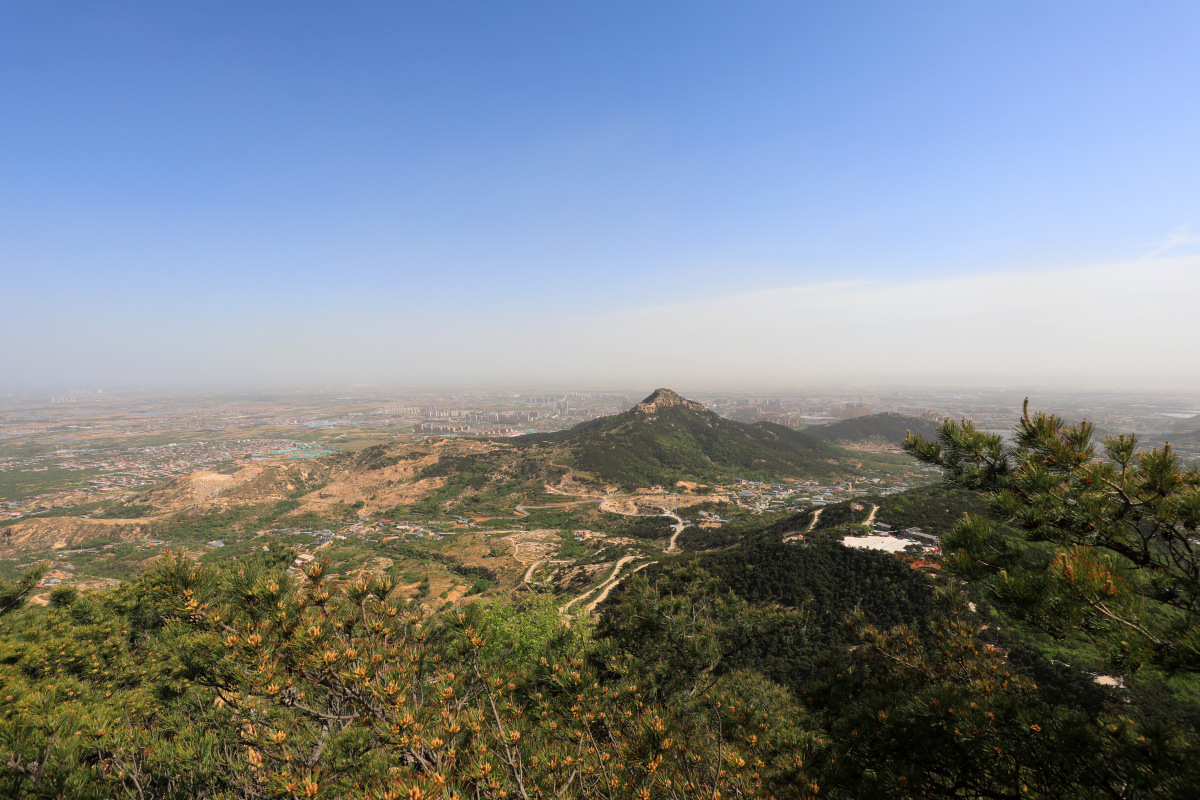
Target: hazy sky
x,y
292,193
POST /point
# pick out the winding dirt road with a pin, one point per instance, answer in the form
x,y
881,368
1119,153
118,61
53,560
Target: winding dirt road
x,y
520,509
615,577
611,576
600,598
679,526
536,564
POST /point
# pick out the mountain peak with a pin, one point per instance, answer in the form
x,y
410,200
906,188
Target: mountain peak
x,y
665,398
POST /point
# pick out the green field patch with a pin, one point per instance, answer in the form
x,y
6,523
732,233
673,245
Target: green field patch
x,y
18,485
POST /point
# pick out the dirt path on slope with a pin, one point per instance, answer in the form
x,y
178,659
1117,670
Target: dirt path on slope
x,y
520,509
679,526
536,564
600,598
615,571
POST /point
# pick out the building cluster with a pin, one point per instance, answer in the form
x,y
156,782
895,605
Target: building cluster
x,y
434,412
507,416
430,427
762,497
758,410
798,412
913,411
558,412
850,411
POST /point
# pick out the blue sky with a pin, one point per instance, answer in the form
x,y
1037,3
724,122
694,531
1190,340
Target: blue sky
x,y
292,192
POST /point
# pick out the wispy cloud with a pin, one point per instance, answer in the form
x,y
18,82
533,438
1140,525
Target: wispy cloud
x,y
1113,324
1107,325
1181,235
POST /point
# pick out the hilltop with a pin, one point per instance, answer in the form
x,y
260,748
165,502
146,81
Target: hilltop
x,y
666,438
886,428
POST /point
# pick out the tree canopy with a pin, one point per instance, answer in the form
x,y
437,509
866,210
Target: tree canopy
x,y
1109,543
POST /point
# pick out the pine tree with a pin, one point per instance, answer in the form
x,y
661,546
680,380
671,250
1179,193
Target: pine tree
x,y
1121,522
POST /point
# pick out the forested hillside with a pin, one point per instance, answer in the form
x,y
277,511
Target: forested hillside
x,y
825,672
829,582
737,530
885,427
934,509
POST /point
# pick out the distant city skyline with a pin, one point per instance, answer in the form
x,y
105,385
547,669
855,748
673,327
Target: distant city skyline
x,y
750,195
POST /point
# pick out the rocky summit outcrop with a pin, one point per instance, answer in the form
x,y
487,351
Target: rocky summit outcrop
x,y
665,398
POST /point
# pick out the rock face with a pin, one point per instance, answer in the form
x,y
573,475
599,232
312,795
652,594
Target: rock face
x,y
65,532
215,491
665,398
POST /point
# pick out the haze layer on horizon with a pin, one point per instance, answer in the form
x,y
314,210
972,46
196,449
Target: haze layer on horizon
x,y
754,194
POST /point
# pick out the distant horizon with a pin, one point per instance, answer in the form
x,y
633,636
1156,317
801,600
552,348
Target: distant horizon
x,y
883,391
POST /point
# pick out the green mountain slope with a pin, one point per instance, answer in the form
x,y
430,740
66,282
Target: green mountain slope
x,y
934,509
887,427
827,579
830,581
667,438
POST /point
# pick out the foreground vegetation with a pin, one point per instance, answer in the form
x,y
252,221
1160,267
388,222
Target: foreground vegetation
x,y
760,670
199,681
